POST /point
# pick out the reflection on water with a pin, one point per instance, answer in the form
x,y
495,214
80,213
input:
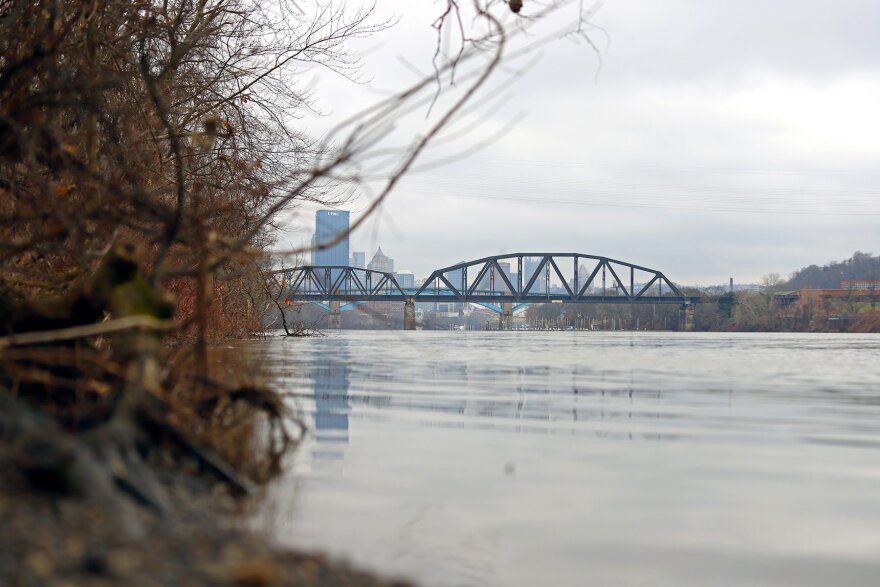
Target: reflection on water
x,y
463,458
330,392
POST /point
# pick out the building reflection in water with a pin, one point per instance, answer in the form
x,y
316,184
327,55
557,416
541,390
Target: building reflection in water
x,y
330,378
600,403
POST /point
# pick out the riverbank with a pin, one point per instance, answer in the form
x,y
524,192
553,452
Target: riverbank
x,y
65,524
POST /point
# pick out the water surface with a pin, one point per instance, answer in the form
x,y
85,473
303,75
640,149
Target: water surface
x,y
586,458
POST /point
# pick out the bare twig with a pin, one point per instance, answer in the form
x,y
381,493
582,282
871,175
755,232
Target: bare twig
x,y
145,323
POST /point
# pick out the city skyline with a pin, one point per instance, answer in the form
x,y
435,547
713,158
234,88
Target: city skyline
x,y
382,262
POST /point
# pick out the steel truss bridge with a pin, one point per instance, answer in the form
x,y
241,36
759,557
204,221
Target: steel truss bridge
x,y
492,283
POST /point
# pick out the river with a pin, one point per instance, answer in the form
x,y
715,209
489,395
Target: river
x,y
585,458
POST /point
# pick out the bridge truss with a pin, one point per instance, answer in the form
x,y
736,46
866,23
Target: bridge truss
x,y
521,278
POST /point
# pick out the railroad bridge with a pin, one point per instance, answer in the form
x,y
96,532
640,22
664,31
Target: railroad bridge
x,y
504,284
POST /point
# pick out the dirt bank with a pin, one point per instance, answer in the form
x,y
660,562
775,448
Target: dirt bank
x,y
64,524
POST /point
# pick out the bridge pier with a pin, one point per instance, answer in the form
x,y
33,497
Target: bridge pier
x,y
686,318
335,317
409,315
505,318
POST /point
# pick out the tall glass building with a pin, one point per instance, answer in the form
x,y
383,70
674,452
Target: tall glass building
x,y
328,225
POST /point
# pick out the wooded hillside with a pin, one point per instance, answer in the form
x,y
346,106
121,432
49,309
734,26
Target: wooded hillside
x,y
859,266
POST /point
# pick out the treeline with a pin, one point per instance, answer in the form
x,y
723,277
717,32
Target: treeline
x,y
760,310
859,266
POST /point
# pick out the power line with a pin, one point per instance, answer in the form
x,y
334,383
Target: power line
x,y
688,168
655,206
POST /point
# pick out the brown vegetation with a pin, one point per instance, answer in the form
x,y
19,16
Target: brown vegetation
x,y
866,323
145,151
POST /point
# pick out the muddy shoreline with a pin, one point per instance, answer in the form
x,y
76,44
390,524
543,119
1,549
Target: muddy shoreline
x,y
62,532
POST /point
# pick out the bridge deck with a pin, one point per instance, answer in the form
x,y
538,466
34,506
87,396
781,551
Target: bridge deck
x,y
488,298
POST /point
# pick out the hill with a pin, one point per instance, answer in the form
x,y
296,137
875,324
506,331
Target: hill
x,y
859,266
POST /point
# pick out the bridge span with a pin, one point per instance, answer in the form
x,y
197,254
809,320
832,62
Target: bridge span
x,y
502,283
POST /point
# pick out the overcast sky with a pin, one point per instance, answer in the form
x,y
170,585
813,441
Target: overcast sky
x,y
712,140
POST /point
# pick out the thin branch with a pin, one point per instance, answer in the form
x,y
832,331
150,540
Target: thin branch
x,y
146,323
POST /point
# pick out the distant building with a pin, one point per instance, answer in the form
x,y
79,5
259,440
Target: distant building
x,y
530,265
358,259
329,224
381,262
492,281
505,267
455,278
406,279
868,284
582,277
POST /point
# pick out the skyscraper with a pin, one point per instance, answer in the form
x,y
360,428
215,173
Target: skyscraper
x,y
381,262
455,278
405,279
492,281
358,259
329,224
530,266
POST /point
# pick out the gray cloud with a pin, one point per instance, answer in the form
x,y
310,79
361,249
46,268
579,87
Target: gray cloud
x,y
720,139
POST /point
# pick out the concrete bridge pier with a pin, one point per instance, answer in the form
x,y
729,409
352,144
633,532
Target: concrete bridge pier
x,y
505,318
409,315
335,317
686,318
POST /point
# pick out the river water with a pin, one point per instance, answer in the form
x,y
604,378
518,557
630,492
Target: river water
x,y
585,458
